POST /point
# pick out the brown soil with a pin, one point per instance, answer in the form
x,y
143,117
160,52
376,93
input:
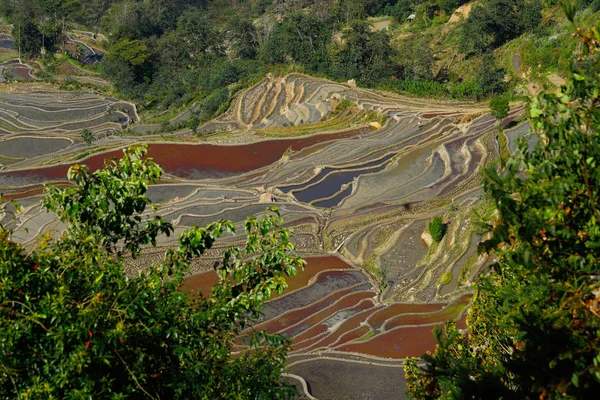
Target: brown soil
x,y
461,12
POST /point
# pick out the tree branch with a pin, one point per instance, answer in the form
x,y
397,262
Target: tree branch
x,y
134,378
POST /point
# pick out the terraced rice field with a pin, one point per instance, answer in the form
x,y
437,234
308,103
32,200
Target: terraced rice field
x,y
358,195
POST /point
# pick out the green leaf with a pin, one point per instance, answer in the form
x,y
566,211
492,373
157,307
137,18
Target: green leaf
x,y
535,112
575,379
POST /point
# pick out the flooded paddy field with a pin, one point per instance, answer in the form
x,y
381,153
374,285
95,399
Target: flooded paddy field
x,y
359,196
331,379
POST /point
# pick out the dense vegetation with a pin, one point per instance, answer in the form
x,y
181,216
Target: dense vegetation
x,y
172,52
74,325
436,229
533,325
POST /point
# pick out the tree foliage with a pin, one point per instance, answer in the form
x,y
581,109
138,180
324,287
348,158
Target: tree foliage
x,y
490,78
436,229
73,324
499,107
27,35
87,136
494,22
365,55
534,322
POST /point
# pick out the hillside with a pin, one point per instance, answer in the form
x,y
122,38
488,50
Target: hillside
x,y
362,121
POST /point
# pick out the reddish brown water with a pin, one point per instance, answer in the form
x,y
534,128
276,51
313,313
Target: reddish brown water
x,y
355,334
396,309
399,343
451,312
319,332
308,343
21,195
405,342
348,325
316,329
193,161
433,115
20,71
294,316
347,301
314,265
202,282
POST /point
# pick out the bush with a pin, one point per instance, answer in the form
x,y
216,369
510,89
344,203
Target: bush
x,y
499,107
87,136
213,102
436,229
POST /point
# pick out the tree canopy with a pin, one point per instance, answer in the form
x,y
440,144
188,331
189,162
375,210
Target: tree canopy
x,y
499,107
73,324
494,22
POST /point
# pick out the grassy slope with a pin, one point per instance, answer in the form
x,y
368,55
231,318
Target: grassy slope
x,y
546,52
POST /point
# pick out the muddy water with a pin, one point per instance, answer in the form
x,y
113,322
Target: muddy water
x,y
414,341
348,301
23,73
189,161
332,184
451,312
350,324
355,334
377,319
315,330
397,344
334,201
29,147
458,266
294,316
355,172
314,265
327,282
337,379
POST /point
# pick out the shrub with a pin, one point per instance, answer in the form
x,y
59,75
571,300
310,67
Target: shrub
x,y
499,107
87,136
436,229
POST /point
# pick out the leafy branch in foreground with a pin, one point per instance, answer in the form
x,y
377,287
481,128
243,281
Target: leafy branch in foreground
x,y
74,325
534,322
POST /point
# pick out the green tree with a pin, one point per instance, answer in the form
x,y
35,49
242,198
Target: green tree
x,y
26,33
494,22
489,77
87,136
243,38
127,66
417,61
132,52
436,229
74,325
365,56
199,36
302,39
534,321
499,107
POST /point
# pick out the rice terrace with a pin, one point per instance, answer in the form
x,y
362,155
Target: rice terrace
x,y
357,173
358,185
